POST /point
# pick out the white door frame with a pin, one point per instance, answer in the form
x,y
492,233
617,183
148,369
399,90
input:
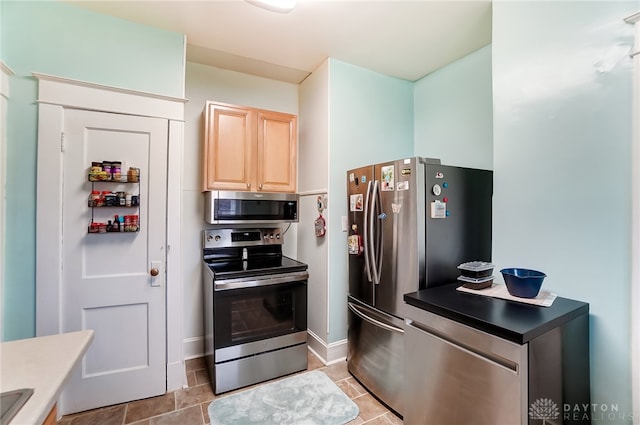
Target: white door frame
x,y
55,94
635,222
5,74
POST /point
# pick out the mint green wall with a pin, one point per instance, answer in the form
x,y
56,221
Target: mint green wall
x,y
453,112
59,39
371,120
562,82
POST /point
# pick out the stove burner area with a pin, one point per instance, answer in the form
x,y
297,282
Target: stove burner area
x,y
255,307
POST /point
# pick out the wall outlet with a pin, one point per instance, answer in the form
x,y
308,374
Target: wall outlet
x,y
345,223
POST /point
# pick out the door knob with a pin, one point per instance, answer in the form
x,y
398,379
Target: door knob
x,y
154,272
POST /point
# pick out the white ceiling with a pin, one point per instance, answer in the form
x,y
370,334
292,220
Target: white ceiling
x,y
400,38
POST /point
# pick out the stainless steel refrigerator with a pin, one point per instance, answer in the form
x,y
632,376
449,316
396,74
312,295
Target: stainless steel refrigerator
x,y
411,223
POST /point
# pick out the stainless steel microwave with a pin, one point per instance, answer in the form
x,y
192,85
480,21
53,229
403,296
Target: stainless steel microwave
x,y
225,207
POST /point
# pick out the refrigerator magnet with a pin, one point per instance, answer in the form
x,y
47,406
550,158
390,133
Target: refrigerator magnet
x,y
355,244
404,185
356,202
387,177
438,209
396,208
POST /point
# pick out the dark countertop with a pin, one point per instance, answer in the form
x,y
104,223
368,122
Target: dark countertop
x,y
514,321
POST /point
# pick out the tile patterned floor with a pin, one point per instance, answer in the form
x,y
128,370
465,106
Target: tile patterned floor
x,y
188,406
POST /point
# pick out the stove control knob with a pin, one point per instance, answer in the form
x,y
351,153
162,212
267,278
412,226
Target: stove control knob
x,y
277,235
217,238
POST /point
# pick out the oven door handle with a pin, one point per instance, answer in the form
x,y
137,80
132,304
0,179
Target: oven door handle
x,y
223,285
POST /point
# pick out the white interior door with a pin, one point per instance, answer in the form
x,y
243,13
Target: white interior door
x,y
107,284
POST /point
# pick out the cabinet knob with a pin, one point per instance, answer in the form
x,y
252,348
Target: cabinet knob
x,y
248,185
154,272
260,185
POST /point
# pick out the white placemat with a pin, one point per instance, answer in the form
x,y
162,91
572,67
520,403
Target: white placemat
x,y
496,290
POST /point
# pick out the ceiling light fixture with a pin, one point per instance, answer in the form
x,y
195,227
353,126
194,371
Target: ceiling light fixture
x,y
279,6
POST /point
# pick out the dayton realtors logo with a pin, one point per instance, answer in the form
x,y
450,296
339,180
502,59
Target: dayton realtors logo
x,y
545,409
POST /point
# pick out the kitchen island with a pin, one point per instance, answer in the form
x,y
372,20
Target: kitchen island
x,y
484,360
42,364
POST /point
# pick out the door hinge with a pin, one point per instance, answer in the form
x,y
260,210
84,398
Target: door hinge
x,y
62,142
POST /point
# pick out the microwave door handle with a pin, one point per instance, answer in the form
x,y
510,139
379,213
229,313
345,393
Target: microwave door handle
x,y
373,235
365,237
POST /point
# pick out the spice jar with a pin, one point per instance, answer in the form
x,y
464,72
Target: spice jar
x,y
121,199
134,223
127,199
116,169
93,198
109,198
127,223
106,167
133,174
100,200
94,227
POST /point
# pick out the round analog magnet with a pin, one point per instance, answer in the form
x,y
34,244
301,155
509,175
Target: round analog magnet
x,y
436,189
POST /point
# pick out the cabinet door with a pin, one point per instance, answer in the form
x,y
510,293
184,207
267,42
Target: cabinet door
x,y
277,152
229,135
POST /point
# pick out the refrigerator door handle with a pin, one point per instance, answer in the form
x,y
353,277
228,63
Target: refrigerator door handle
x,y
361,314
374,242
367,263
379,233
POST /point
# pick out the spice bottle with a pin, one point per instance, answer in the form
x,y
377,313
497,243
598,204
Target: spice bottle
x,y
94,227
116,170
127,199
93,198
133,174
109,199
106,167
134,223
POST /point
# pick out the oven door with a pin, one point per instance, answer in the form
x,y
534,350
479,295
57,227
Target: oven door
x,y
244,315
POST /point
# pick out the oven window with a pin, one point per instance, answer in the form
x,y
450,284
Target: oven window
x,y
251,314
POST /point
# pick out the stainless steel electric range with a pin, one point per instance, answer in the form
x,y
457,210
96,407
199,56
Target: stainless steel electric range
x,y
255,307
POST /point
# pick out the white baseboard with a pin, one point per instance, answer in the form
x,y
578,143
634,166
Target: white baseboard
x,y
176,376
327,353
193,347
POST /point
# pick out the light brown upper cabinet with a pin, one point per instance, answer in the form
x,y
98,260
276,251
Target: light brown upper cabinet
x,y
249,149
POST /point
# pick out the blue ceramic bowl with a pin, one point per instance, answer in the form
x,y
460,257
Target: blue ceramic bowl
x,y
523,283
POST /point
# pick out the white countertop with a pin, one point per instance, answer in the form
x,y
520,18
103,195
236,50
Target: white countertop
x,y
44,364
